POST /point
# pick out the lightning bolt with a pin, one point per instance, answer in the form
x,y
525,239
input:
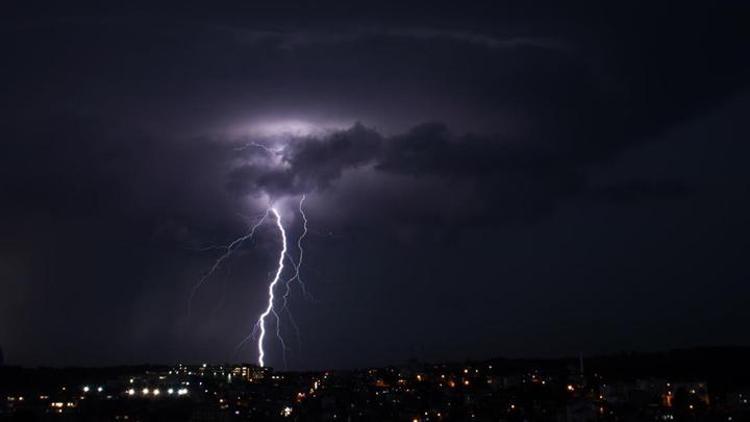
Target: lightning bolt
x,y
297,264
228,251
296,276
271,309
260,324
299,247
271,287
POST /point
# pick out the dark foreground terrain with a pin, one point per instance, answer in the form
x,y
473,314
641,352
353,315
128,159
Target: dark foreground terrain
x,y
681,385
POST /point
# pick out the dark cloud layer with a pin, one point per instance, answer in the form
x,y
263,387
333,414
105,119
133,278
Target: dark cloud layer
x,y
498,178
309,163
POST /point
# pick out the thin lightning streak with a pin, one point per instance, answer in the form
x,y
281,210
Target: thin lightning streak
x,y
294,326
298,264
229,249
269,150
281,339
299,246
285,299
296,276
269,308
208,248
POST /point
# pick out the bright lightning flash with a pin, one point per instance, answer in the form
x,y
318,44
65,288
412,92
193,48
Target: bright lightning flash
x,y
269,308
260,325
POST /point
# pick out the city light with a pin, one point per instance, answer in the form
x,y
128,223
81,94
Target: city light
x,y
286,412
388,388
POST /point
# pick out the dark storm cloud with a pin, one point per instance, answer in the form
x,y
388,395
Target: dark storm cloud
x,y
525,176
528,178
309,163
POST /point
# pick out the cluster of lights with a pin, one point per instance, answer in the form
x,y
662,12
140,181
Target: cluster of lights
x,y
156,392
454,379
58,405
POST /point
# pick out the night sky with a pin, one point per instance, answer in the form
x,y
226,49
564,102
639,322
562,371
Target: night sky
x,y
520,179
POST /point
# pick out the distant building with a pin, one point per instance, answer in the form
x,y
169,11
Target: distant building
x,y
249,372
